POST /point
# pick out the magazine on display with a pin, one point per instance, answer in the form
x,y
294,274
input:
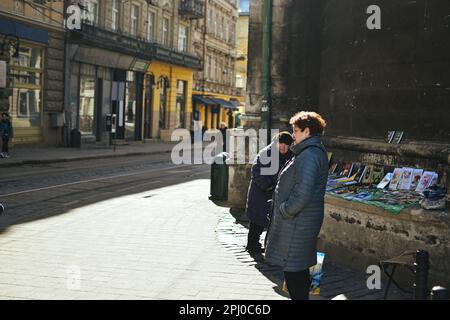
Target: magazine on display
x,y
383,184
396,178
425,181
406,180
417,174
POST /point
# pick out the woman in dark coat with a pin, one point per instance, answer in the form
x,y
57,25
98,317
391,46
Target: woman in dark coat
x,y
261,188
299,206
6,134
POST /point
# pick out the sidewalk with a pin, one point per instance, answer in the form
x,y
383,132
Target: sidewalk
x,y
29,155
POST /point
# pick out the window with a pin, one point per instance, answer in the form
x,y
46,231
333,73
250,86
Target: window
x,y
130,106
216,27
181,103
134,19
232,33
87,98
240,84
214,69
227,31
182,39
26,72
90,15
115,15
222,29
150,26
208,67
165,32
210,21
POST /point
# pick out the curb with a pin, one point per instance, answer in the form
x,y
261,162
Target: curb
x,y
74,159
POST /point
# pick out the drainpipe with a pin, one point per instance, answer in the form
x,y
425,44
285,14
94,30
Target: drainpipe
x,y
266,105
66,106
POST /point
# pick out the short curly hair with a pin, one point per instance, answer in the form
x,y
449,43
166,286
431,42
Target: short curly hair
x,y
311,120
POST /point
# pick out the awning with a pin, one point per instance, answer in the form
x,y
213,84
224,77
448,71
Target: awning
x,y
236,103
202,99
224,103
214,101
23,31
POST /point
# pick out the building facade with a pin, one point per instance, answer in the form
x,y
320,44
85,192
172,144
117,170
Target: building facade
x,y
215,96
32,49
242,55
132,63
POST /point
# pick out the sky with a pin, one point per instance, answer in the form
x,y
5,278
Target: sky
x,y
244,5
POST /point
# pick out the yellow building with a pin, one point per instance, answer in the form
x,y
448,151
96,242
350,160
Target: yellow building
x,y
171,103
215,96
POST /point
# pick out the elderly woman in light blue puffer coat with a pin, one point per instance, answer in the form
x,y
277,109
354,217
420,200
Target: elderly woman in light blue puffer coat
x,y
299,206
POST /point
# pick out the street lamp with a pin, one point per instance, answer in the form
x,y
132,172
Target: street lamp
x,y
10,41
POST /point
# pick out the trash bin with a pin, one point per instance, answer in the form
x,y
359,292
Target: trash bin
x,y
75,138
219,178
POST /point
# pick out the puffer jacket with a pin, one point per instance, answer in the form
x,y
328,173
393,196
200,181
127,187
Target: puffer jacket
x,y
299,208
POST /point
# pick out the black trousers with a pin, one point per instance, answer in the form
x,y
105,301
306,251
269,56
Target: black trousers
x,y
298,284
5,144
254,234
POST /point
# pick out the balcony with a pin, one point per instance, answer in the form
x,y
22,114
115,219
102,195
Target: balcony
x,y
139,48
192,9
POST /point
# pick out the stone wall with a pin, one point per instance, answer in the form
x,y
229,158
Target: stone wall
x,y
365,82
360,235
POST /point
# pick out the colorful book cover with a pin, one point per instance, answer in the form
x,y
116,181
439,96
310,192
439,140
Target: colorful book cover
x,y
398,137
383,184
367,174
416,178
332,168
354,170
330,155
377,174
339,168
346,170
434,180
390,136
359,175
425,181
396,178
406,180
316,274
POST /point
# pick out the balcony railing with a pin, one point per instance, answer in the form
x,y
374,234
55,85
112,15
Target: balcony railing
x,y
193,9
139,48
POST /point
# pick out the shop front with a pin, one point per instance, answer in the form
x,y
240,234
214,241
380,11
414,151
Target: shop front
x,y
103,84
32,90
213,110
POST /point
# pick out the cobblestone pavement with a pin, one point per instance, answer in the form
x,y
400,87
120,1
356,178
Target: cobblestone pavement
x,y
136,229
336,279
148,235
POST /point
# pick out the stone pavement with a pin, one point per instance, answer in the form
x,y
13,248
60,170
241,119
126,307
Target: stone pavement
x,y
336,279
21,155
166,243
130,247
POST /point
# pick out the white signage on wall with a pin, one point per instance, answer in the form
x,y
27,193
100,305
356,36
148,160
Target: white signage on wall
x,y
2,74
374,21
73,21
121,113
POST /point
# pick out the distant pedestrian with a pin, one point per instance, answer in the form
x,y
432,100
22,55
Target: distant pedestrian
x,y
6,133
223,129
261,189
299,206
